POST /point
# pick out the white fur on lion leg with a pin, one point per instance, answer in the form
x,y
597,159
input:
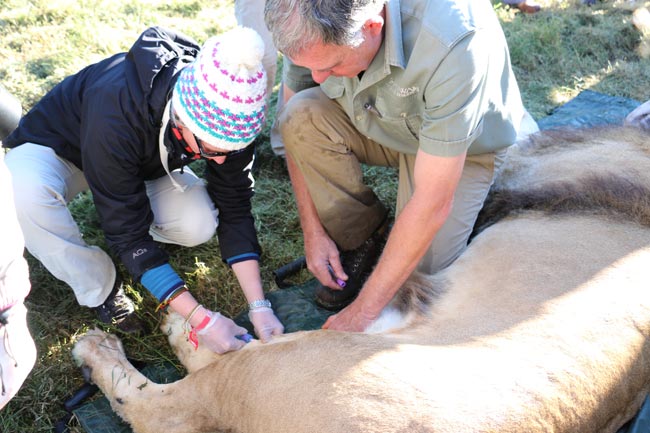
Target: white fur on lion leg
x,y
390,319
192,359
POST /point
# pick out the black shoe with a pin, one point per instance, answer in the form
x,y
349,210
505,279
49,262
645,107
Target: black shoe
x,y
118,310
358,264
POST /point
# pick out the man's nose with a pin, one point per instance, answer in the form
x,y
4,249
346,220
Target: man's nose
x,y
320,77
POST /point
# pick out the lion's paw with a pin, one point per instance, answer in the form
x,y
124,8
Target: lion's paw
x,y
95,346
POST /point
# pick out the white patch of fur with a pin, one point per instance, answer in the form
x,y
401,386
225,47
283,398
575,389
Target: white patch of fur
x,y
390,319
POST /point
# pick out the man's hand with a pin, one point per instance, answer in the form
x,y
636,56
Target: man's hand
x,y
265,323
220,334
323,260
350,319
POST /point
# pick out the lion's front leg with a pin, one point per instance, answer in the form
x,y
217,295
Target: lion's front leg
x,y
102,358
133,397
191,358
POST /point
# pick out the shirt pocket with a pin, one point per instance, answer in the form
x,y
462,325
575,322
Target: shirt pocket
x,y
400,115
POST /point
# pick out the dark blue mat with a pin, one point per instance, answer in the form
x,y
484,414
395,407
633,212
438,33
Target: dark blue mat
x,y
587,109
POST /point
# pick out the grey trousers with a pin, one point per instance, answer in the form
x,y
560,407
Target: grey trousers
x,y
44,184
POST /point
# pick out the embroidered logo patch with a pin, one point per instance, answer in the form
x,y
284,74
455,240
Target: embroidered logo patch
x,y
402,92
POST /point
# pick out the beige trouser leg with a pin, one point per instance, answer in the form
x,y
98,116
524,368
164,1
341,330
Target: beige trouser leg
x,y
328,150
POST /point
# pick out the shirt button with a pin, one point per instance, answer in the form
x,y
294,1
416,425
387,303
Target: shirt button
x,y
403,114
359,118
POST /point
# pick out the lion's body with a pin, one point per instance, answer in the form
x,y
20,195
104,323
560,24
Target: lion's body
x,y
542,325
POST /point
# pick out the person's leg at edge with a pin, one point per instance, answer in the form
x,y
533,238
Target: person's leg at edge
x,y
17,348
17,351
250,13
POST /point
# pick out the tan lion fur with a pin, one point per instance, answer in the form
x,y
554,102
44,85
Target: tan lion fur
x,y
542,325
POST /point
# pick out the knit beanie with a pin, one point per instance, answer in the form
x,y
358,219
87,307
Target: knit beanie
x,y
221,96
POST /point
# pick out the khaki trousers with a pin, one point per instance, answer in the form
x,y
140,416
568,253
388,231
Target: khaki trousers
x,y
329,151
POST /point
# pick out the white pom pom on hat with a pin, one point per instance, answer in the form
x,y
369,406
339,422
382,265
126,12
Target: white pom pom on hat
x,y
242,46
221,96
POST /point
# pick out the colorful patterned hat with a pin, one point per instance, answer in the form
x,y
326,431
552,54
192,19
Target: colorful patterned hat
x,y
221,96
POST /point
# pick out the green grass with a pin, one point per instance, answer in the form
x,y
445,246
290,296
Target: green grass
x,y
568,48
556,53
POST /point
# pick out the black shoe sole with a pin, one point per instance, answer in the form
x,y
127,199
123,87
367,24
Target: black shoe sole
x,y
333,305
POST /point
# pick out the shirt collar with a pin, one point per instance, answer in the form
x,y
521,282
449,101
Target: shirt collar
x,y
393,42
391,51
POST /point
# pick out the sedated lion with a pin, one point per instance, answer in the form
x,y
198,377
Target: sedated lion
x,y
542,325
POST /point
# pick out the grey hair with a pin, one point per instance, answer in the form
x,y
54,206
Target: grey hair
x,y
298,24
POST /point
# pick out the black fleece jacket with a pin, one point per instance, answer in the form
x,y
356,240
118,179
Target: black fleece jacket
x,y
106,120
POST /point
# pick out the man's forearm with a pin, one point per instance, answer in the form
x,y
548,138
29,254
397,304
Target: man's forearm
x,y
408,242
436,180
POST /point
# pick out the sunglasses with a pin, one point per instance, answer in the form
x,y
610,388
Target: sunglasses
x,y
204,153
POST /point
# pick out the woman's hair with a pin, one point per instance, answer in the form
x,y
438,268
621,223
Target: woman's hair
x,y
297,24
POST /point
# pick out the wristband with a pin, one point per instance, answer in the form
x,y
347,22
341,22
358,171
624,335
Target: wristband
x,y
259,303
202,327
175,294
189,316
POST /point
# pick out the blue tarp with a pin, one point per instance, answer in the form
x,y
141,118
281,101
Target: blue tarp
x,y
589,108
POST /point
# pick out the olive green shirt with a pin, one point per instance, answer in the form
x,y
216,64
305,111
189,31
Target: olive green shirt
x,y
441,81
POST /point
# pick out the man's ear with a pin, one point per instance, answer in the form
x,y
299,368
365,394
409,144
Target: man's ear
x,y
374,25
